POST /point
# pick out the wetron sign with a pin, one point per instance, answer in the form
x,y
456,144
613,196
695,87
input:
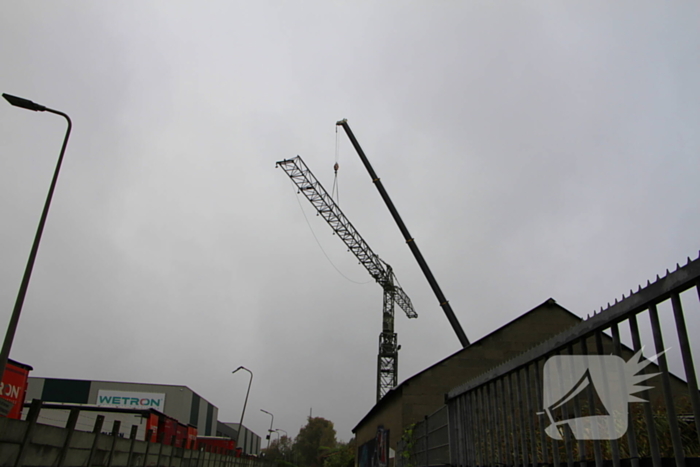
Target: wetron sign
x,y
131,400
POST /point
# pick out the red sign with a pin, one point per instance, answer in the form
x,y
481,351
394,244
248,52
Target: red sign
x,y
13,387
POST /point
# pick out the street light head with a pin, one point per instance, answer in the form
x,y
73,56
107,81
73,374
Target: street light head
x,y
23,103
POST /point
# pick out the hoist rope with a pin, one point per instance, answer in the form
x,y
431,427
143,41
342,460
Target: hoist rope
x,y
319,243
334,191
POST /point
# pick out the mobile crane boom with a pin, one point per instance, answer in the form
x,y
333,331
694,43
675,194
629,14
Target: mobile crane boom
x,y
447,309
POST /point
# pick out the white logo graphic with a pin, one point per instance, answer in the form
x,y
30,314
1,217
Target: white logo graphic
x,y
612,382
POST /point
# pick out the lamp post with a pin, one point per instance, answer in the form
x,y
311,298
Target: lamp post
x,y
279,444
14,319
240,425
269,432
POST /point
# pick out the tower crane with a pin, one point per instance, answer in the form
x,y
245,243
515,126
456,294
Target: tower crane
x,y
387,359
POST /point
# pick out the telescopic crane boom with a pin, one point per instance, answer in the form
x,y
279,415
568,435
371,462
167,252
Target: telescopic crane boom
x,y
387,360
409,240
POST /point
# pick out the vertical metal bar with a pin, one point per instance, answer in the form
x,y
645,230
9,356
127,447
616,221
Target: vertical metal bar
x,y
474,429
614,447
468,428
483,439
161,440
426,440
568,447
115,434
503,431
648,415
583,457
631,436
597,451
489,423
540,418
132,437
32,417
70,429
96,431
172,449
668,395
514,420
528,416
455,431
687,355
149,436
521,410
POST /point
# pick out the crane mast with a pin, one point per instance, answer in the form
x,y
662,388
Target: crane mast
x,y
387,359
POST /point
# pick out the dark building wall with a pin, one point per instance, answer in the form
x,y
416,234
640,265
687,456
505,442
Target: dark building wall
x,y
424,393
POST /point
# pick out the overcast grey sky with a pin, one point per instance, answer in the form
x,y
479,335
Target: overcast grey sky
x,y
534,149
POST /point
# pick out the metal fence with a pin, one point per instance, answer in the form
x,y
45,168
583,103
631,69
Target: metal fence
x,y
427,443
560,403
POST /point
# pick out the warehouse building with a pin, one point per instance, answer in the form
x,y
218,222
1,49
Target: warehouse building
x,y
424,393
178,402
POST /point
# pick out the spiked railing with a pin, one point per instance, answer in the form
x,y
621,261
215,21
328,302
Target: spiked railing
x,y
495,417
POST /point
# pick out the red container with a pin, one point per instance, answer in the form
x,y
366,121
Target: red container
x,y
191,437
14,386
216,444
167,428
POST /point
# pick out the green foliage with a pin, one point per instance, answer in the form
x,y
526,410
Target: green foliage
x,y
318,433
343,455
408,440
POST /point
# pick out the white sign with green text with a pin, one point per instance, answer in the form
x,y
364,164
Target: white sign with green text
x,y
131,400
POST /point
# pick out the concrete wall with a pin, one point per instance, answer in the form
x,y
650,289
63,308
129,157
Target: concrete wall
x,y
41,445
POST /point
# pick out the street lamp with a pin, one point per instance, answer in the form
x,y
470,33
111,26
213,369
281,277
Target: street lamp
x,y
14,319
269,432
240,425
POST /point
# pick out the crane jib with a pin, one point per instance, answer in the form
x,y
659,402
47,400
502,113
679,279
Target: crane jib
x,y
312,189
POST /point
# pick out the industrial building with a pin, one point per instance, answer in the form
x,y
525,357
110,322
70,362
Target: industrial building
x,y
178,402
424,393
128,401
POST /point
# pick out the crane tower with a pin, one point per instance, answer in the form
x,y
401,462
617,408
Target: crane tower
x,y
387,360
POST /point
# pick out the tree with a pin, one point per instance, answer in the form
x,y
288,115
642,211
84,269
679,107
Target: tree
x,y
280,451
312,438
342,456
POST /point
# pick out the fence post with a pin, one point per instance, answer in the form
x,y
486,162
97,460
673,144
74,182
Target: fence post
x,y
172,449
160,439
96,431
32,417
115,434
149,435
132,437
70,427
